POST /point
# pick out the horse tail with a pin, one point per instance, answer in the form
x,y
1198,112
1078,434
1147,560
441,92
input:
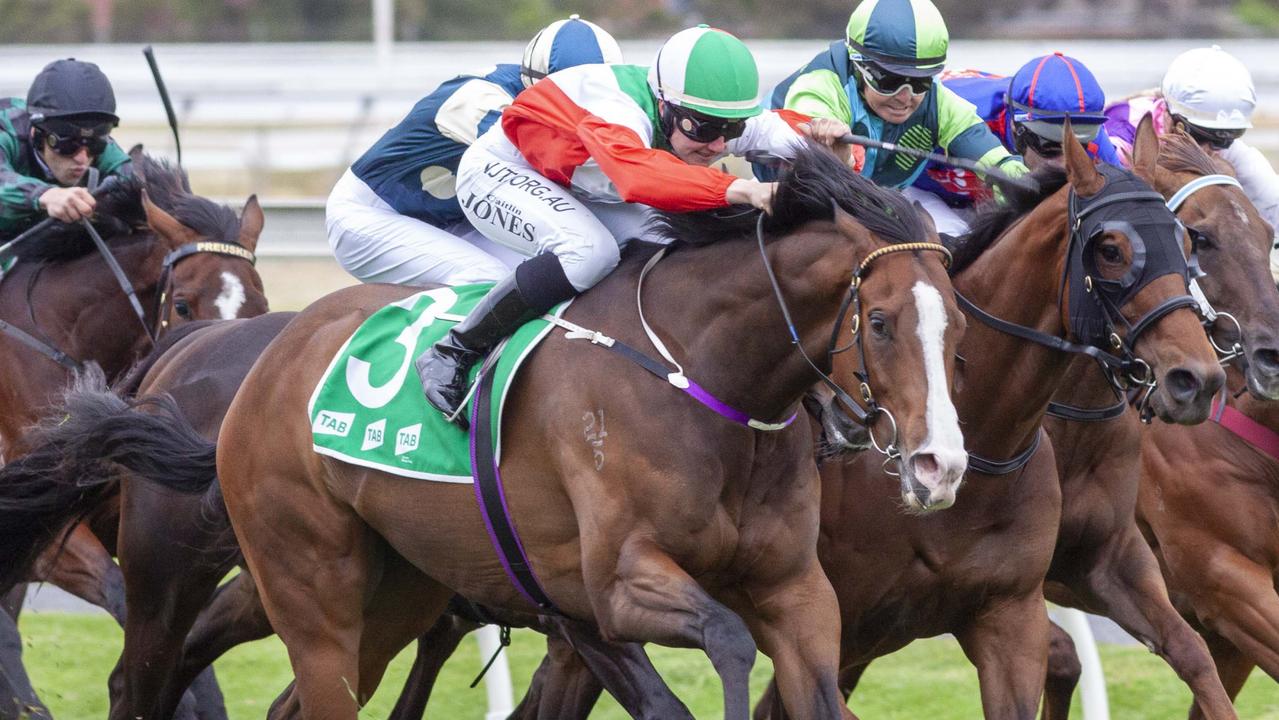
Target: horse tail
x,y
73,464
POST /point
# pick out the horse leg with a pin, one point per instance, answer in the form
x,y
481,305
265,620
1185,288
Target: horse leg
x,y
234,616
1064,670
18,699
1126,585
1233,667
796,620
1008,643
433,648
650,597
1236,599
84,568
580,663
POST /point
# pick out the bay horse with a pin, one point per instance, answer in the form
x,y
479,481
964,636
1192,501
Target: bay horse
x,y
705,539
1209,495
977,570
1102,563
182,257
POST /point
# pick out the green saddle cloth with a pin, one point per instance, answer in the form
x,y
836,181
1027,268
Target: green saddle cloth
x,y
368,409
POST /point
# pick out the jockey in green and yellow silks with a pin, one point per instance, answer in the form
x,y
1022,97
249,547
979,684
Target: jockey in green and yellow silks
x,y
881,81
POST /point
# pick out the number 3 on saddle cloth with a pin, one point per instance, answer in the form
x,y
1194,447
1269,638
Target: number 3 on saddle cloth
x,y
368,408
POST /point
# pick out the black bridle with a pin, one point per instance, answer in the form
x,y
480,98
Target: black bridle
x,y
865,416
1095,302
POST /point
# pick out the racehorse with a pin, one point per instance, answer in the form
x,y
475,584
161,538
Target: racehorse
x,y
181,257
702,540
1209,495
977,569
1101,563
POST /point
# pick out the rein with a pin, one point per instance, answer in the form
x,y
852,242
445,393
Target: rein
x,y
1123,369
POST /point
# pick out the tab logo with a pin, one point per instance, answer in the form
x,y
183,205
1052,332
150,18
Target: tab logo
x,y
333,423
407,438
374,435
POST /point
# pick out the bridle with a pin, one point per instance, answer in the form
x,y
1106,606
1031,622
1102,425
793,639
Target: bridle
x,y
865,416
164,300
1095,302
1210,315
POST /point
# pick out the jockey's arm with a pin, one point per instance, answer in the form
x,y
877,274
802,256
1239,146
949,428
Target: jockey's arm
x,y
963,133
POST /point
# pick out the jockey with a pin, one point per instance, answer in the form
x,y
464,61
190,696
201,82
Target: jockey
x,y
580,161
49,142
1209,94
1026,113
394,217
880,82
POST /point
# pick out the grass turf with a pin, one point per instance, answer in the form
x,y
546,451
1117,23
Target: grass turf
x,y
70,655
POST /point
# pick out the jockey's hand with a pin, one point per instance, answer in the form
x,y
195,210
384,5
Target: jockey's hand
x,y
751,192
68,204
828,132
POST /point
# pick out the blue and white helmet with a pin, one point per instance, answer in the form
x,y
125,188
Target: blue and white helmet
x,y
565,44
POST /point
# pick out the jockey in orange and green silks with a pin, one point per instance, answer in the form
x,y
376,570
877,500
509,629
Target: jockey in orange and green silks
x,y
881,81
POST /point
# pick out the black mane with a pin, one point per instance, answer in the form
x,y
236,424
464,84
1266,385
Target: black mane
x,y
993,218
805,192
121,220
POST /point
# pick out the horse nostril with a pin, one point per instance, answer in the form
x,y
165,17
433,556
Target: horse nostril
x,y
1183,385
1267,361
925,467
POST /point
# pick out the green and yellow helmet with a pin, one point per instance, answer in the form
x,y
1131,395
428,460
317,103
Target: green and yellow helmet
x,y
708,71
905,37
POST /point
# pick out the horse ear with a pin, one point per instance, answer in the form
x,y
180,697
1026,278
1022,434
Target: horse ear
x,y
929,224
1145,149
165,225
135,153
1080,170
251,221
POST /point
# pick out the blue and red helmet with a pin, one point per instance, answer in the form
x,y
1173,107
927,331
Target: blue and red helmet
x,y
1050,88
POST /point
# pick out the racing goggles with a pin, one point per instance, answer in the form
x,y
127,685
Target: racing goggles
x,y
883,82
1032,140
704,128
1219,139
67,139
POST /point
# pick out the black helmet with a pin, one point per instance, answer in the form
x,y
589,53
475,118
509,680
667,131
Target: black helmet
x,y
71,89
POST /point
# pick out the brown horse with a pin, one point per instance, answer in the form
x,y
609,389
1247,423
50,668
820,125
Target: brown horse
x,y
66,309
977,570
1209,495
1101,563
701,541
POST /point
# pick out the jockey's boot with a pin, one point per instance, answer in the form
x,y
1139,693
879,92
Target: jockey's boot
x,y
445,367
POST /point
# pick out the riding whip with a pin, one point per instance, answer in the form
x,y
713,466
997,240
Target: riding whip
x,y
164,98
1024,183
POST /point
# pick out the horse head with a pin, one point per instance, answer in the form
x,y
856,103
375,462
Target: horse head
x,y
1126,280
208,270
900,347
1229,245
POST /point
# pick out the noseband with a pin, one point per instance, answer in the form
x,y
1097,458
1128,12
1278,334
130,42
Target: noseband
x,y
165,297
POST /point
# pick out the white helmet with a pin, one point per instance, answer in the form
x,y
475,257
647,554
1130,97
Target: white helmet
x,y
565,44
1211,89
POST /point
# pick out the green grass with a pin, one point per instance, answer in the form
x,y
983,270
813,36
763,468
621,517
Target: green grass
x,y
69,657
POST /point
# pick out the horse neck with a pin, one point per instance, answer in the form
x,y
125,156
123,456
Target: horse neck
x,y
717,303
1005,382
1084,385
93,318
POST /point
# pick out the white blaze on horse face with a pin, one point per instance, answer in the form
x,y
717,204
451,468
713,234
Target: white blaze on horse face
x,y
944,440
1240,213
231,299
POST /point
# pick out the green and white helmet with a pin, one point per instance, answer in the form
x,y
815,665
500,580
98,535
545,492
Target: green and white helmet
x,y
709,71
905,37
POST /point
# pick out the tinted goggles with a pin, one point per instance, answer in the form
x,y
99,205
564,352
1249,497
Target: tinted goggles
x,y
887,83
1041,145
66,139
1219,139
703,128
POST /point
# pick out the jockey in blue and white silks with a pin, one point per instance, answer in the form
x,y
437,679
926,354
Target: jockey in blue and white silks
x,y
1026,113
394,216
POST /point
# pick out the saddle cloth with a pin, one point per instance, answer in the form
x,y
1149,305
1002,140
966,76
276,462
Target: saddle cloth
x,y
368,408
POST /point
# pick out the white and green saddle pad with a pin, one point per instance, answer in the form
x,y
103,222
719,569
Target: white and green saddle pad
x,y
368,408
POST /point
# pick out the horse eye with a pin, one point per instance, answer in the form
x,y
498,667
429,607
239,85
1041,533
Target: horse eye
x,y
182,308
877,324
1201,240
1111,253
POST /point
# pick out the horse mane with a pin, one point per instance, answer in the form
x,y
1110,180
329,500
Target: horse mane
x,y
808,190
1178,152
121,220
994,218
